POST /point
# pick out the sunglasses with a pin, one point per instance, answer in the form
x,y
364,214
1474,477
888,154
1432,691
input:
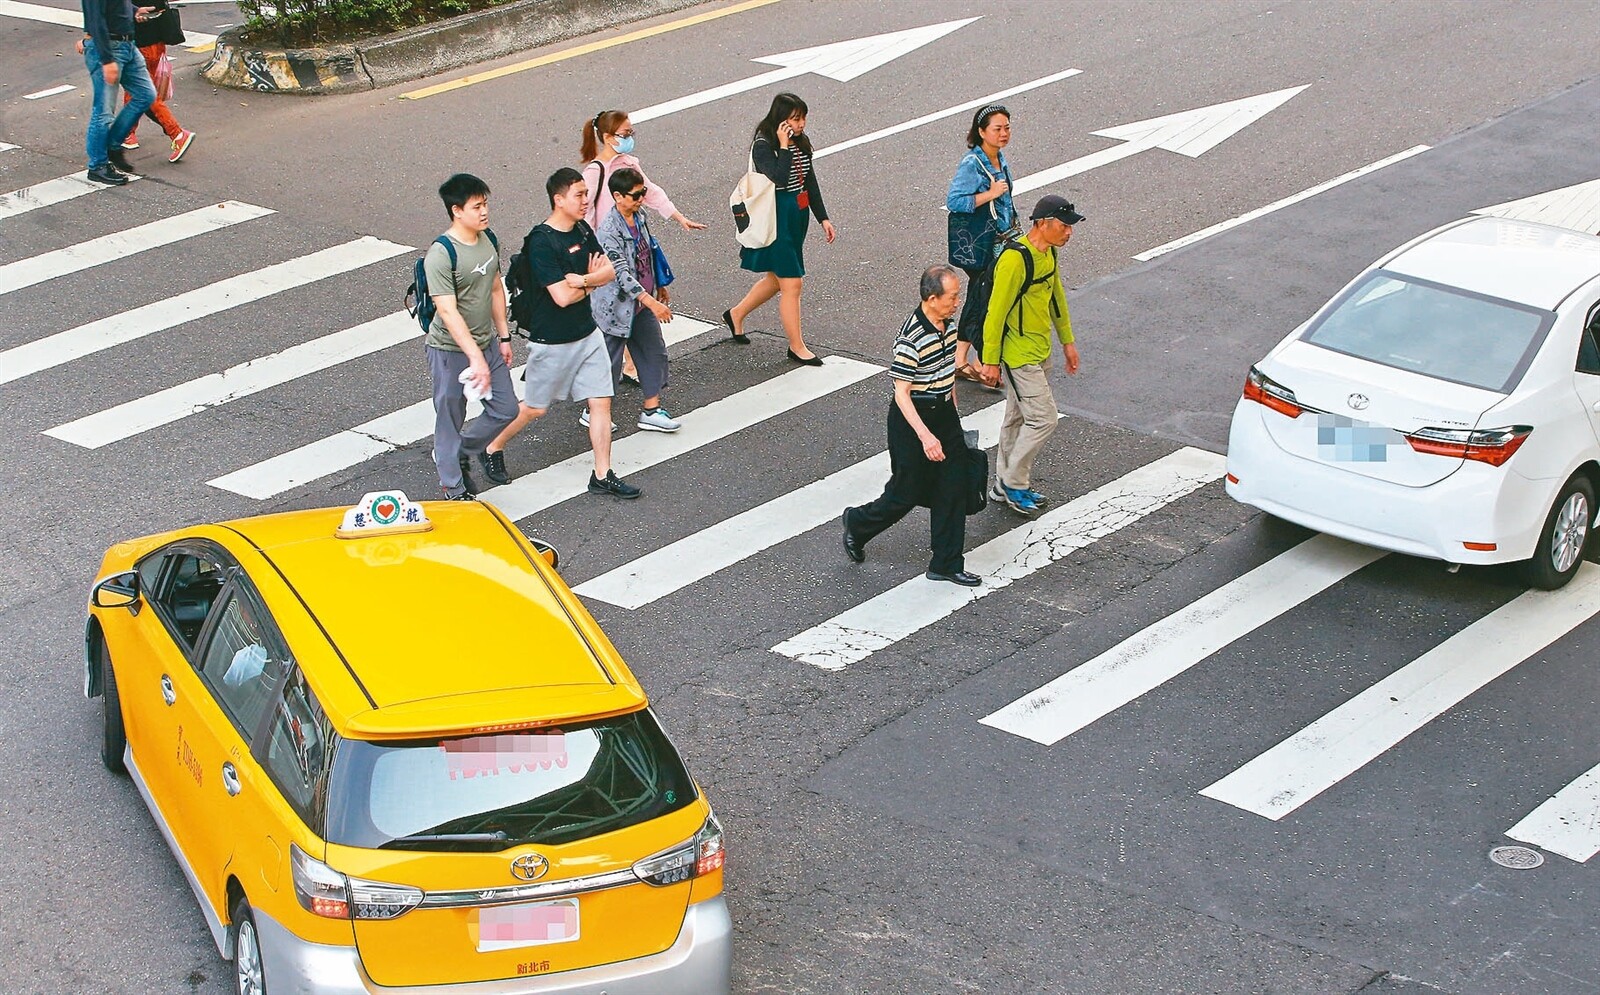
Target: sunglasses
x,y
634,194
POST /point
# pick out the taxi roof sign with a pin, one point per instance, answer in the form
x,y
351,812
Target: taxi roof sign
x,y
383,513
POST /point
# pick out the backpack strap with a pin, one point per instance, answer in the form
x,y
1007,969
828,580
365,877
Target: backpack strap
x,y
594,199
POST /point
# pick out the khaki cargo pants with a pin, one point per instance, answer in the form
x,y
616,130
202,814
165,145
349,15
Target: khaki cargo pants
x,y
1029,422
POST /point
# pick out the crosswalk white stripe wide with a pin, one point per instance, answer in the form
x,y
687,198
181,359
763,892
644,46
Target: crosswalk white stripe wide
x,y
166,406
7,146
554,484
1568,823
1340,743
85,340
694,558
1161,651
107,248
856,634
73,18
47,193
683,328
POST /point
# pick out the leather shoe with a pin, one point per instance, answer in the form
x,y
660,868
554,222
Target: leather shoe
x,y
738,336
959,577
108,175
852,545
119,159
814,360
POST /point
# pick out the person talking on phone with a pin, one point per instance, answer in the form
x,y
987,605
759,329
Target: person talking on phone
x,y
781,151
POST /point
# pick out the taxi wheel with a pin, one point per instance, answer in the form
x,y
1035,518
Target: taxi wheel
x,y
249,974
1564,537
113,736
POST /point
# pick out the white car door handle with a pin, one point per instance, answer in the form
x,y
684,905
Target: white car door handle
x,y
230,779
168,695
1597,405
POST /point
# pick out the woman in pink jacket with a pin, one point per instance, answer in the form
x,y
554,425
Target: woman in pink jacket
x,y
608,147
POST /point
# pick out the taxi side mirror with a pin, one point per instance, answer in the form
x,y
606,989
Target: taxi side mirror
x,y
546,552
118,591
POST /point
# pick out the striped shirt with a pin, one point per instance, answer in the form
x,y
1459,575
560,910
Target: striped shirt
x,y
925,356
799,169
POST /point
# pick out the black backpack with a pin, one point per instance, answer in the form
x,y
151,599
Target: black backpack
x,y
1028,280
520,288
418,301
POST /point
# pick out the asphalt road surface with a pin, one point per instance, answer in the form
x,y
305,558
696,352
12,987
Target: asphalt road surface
x,y
891,829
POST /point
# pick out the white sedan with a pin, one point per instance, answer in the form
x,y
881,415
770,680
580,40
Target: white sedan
x,y
1445,404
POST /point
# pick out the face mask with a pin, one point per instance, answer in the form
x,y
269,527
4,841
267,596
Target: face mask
x,y
623,145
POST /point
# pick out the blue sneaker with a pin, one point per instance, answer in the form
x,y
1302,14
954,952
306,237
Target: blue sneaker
x,y
1039,500
1020,502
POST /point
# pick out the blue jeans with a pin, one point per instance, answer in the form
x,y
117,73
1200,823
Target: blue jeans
x,y
108,126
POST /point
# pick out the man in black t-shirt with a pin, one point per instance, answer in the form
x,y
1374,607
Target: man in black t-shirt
x,y
567,356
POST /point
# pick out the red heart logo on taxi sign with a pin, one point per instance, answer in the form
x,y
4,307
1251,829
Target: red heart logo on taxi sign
x,y
386,509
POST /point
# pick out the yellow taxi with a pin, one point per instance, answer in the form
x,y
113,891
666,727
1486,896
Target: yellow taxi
x,y
392,752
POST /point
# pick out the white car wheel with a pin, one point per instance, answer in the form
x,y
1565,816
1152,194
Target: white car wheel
x,y
1565,535
248,973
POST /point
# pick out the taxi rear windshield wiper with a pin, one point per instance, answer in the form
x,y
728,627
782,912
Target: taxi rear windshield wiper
x,y
498,836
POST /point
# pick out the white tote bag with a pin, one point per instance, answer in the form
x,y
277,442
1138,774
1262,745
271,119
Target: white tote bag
x,y
755,209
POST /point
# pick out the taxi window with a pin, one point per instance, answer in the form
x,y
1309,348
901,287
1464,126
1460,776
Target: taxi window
x,y
192,585
1589,345
297,748
491,792
242,664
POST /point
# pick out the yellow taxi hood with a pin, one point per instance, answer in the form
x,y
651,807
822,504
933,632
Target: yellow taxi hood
x,y
465,612
486,712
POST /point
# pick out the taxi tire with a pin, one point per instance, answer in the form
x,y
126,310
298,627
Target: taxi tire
x,y
113,734
1540,571
246,951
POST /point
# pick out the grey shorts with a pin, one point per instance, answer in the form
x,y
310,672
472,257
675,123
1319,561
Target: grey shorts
x,y
567,371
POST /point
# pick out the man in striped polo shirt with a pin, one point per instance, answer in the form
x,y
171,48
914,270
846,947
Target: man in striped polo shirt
x,y
927,454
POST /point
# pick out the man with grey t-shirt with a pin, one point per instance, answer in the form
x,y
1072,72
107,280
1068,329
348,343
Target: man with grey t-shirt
x,y
471,309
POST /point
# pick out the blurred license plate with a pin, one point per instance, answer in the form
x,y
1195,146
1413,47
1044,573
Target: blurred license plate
x,y
507,927
1346,440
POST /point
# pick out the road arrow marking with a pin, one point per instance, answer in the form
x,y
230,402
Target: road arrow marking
x,y
842,61
1576,207
1189,133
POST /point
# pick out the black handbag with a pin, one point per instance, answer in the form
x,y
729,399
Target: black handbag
x,y
977,474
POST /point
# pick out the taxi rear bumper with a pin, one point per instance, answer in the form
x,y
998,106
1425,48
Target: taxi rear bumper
x,y
698,963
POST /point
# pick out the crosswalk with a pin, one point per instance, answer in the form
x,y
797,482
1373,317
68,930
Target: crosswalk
x,y
672,564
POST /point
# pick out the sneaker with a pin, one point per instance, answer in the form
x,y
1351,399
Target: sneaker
x,y
583,420
494,466
613,485
1020,503
180,145
1039,500
997,493
466,477
130,143
108,175
657,420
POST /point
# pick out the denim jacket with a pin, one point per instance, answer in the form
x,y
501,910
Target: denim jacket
x,y
973,177
615,303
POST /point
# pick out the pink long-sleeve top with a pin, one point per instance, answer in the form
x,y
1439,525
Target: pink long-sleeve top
x,y
597,174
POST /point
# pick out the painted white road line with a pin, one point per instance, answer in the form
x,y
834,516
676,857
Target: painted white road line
x,y
1189,133
84,340
947,112
1340,743
682,328
856,634
342,450
47,193
554,484
1576,207
1158,653
83,255
842,61
40,94
73,18
694,558
7,146
1276,205
166,406
1568,823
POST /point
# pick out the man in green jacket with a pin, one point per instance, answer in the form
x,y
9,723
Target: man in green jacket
x,y
1028,301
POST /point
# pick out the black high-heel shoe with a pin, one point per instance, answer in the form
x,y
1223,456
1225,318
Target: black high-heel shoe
x,y
815,360
727,319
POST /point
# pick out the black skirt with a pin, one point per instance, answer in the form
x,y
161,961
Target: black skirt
x,y
912,476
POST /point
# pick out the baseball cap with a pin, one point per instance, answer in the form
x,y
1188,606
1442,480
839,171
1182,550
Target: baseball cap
x,y
1052,206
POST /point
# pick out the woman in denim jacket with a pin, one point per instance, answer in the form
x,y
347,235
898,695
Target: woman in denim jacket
x,y
982,183
630,309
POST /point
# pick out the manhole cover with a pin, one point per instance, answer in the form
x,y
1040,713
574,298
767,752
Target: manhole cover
x,y
1516,857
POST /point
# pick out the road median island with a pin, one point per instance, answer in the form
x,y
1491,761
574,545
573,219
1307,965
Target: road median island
x,y
247,63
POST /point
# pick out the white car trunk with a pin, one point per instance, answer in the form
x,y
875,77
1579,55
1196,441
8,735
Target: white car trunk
x,y
1369,408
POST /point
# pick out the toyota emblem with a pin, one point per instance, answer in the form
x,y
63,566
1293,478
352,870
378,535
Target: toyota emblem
x,y
530,867
1358,402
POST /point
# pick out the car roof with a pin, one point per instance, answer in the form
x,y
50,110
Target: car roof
x,y
1521,261
449,630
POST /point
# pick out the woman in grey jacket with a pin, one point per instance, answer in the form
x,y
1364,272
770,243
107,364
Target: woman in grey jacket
x,y
630,310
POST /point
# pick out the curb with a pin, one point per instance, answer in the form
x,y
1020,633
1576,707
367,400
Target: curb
x,y
422,51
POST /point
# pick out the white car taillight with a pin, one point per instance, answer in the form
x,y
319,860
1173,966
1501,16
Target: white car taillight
x,y
1264,390
702,854
1486,445
325,892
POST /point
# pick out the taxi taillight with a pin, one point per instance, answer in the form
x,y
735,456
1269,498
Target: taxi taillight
x,y
323,891
700,855
1485,445
1264,390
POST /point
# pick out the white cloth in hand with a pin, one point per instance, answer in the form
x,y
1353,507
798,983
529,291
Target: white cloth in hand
x,y
472,392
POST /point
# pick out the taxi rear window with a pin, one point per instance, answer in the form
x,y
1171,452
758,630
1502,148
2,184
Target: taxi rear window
x,y
495,791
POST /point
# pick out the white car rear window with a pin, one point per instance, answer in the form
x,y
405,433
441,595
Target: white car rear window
x,y
1434,330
